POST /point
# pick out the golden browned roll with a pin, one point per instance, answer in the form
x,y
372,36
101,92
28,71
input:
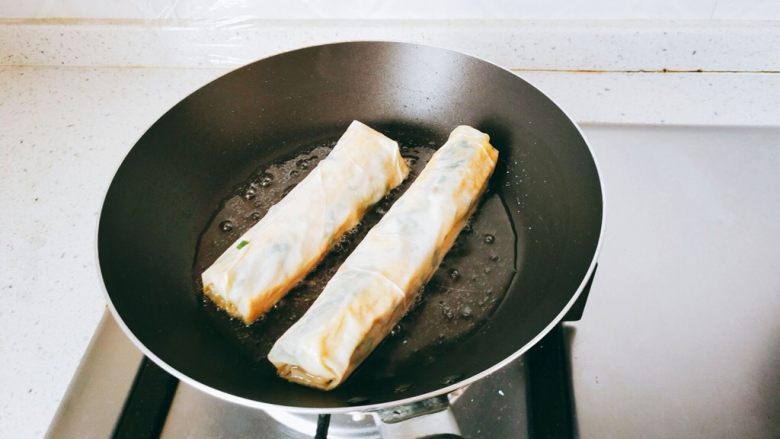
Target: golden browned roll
x,y
377,283
268,260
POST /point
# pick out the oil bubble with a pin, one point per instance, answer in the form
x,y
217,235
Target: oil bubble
x,y
489,239
226,226
266,179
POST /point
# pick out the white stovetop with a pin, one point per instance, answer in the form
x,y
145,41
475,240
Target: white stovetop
x,y
71,108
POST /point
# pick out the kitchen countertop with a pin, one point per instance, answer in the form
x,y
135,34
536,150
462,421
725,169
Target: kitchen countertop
x,y
68,117
679,338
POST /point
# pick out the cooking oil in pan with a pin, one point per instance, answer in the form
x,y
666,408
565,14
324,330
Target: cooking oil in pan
x,y
467,287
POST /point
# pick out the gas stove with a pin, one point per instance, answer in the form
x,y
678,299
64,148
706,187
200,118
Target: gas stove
x,y
678,338
134,398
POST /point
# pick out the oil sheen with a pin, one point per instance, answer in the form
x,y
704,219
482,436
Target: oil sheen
x,y
462,294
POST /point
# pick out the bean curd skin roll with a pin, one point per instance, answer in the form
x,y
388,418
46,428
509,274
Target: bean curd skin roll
x,y
268,260
375,286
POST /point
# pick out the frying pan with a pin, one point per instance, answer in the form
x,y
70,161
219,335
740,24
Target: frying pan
x,y
172,181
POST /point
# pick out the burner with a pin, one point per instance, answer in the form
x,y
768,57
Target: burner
x,y
358,425
355,425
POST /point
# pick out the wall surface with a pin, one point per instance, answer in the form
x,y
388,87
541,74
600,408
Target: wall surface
x,y
231,11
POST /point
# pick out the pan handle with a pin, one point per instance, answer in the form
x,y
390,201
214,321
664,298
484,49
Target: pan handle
x,y
430,418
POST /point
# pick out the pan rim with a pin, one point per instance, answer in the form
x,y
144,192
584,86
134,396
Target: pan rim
x,y
251,403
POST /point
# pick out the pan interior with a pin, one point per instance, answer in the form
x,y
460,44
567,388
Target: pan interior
x,y
463,293
167,190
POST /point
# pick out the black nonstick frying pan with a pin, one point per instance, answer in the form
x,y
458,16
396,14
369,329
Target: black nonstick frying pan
x,y
167,190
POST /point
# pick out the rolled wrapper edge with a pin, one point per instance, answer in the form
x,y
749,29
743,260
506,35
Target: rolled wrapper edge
x,y
219,278
289,357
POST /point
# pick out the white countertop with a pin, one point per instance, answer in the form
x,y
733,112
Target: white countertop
x,y
74,98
